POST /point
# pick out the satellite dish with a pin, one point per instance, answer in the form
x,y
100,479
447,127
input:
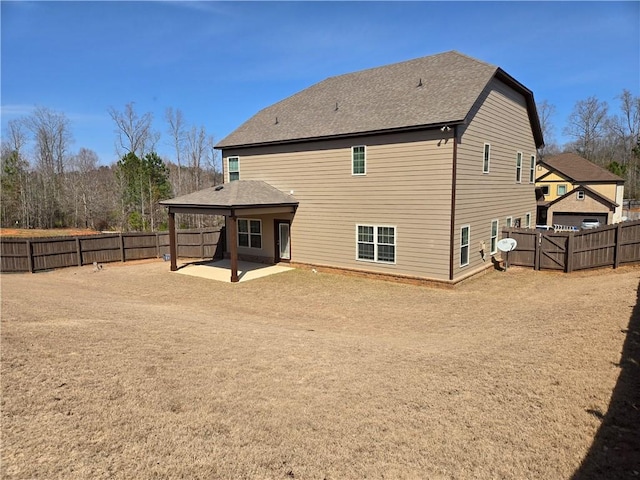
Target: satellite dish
x,y
507,244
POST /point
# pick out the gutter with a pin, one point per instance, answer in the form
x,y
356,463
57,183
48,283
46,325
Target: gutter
x,y
452,226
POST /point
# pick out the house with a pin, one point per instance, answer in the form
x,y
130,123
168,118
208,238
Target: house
x,y
409,170
571,189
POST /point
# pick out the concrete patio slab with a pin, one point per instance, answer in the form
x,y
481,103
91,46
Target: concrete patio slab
x,y
220,270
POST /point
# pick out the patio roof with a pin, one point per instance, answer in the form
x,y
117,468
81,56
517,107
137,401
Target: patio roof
x,y
233,198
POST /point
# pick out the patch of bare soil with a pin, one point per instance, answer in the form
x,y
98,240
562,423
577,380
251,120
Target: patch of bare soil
x,y
136,372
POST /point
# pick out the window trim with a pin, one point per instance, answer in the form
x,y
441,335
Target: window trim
x,y
376,244
580,195
532,169
229,172
353,173
249,233
508,222
527,220
563,185
486,158
467,245
493,239
518,167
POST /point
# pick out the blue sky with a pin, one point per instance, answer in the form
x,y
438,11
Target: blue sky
x,y
221,62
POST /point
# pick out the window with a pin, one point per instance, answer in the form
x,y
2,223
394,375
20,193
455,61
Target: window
x,y
561,189
532,169
249,233
464,245
376,243
580,195
487,158
234,168
519,167
527,220
494,236
545,190
508,222
358,160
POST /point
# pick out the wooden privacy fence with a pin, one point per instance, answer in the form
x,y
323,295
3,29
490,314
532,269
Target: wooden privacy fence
x,y
35,254
611,245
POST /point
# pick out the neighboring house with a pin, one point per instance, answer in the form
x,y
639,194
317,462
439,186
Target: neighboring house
x,y
571,189
408,170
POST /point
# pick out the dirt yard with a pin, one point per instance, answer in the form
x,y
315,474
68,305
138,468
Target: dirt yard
x,y
136,372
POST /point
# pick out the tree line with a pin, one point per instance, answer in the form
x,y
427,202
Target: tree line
x,y
607,138
46,185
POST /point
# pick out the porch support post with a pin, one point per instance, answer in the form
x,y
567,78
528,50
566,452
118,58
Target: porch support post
x,y
233,245
173,250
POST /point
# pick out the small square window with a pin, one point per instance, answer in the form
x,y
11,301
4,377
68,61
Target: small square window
x,y
545,190
580,195
249,233
561,190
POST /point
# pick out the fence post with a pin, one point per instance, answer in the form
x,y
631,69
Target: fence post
x,y
536,254
201,243
618,246
568,263
30,256
122,247
79,251
157,244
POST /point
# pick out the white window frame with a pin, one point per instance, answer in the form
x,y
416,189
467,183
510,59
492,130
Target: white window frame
x,y
532,169
377,244
493,239
519,167
542,187
229,172
353,151
467,245
580,195
249,233
508,222
563,185
486,158
527,220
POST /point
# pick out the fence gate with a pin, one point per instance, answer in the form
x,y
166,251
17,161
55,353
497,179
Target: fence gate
x,y
553,252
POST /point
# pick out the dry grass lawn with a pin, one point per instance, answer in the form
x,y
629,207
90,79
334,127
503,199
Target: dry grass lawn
x,y
133,372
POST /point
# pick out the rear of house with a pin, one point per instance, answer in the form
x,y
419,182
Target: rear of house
x,y
408,170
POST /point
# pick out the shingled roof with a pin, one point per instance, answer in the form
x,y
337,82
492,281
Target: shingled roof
x,y
428,91
236,194
579,169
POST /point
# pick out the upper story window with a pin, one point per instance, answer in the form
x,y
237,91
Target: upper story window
x,y
486,159
249,233
532,169
519,167
234,168
359,160
508,222
545,189
561,189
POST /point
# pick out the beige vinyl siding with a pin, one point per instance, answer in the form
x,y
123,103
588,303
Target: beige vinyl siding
x,y
500,118
407,185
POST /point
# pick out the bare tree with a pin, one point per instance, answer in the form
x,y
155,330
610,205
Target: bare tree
x,y
176,130
586,125
546,111
624,134
134,132
52,136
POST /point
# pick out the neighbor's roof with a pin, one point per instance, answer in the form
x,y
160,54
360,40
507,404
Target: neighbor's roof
x,y
428,91
579,169
236,194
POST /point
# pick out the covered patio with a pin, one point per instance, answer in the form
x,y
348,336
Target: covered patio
x,y
240,198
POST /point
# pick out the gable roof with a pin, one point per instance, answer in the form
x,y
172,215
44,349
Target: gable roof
x,y
578,169
428,91
236,194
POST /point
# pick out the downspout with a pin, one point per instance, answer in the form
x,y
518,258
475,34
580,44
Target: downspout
x,y
452,227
